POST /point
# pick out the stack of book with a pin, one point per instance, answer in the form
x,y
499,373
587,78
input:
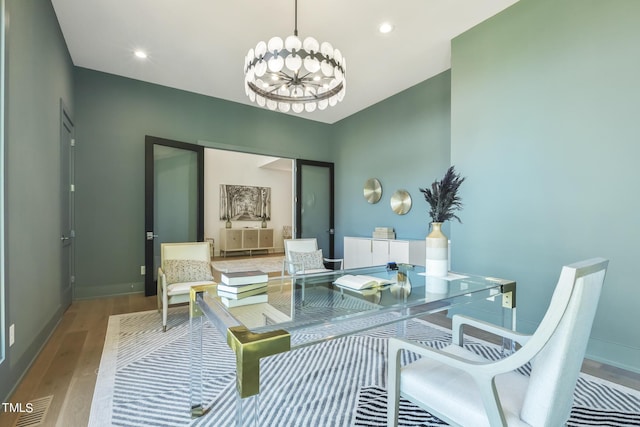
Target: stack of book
x,y
243,288
384,233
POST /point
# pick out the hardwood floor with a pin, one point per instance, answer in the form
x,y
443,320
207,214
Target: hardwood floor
x,y
67,366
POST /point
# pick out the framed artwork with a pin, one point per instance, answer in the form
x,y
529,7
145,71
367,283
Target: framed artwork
x,y
244,203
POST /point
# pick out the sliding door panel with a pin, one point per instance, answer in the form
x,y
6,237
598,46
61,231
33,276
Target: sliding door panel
x,y
174,207
315,203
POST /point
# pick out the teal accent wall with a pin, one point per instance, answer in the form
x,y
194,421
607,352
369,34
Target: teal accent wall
x,y
39,74
113,116
404,142
545,99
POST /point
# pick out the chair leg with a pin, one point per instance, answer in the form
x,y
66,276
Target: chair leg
x,y
491,401
164,320
393,384
165,308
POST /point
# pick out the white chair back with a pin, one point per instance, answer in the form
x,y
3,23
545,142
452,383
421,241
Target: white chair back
x,y
556,367
198,251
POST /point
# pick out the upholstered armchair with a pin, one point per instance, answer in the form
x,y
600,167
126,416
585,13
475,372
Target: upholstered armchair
x,y
464,389
302,257
182,265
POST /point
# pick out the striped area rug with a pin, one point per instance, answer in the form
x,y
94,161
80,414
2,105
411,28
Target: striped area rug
x,y
372,404
143,380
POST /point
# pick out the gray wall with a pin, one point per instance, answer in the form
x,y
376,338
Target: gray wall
x,y
114,114
545,99
39,73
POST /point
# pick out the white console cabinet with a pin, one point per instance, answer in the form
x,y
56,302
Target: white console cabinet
x,y
245,239
366,252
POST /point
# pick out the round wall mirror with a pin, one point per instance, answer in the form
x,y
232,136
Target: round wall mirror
x,y
401,202
372,190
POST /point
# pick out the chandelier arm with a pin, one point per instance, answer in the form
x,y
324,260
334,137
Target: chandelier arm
x,y
314,84
294,99
282,76
274,91
304,77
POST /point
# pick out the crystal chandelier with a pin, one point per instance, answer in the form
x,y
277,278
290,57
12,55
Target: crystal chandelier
x,y
294,74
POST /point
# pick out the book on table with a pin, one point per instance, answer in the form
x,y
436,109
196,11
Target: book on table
x,y
241,288
358,282
244,277
253,299
244,294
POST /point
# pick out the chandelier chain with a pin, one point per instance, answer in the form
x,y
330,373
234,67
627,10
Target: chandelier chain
x,y
295,28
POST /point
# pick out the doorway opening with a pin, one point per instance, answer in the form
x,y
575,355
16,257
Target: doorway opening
x,y
244,204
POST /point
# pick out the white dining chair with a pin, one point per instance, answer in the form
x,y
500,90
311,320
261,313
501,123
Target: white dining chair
x,y
302,257
182,265
465,389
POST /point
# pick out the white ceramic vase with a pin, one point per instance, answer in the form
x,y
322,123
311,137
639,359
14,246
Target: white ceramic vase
x,y
436,285
437,260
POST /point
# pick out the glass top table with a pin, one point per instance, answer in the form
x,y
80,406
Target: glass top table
x,y
306,310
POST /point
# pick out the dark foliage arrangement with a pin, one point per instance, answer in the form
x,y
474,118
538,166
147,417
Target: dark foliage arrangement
x,y
443,196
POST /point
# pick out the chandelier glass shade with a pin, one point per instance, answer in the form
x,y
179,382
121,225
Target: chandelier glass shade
x,y
294,75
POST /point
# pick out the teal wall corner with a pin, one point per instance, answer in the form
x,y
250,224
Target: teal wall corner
x,y
404,141
543,127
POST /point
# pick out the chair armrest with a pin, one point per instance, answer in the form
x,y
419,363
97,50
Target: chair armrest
x,y
394,368
458,321
336,260
479,370
162,280
397,344
482,372
287,264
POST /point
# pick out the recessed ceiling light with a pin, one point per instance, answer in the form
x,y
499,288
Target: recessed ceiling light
x,y
140,54
385,28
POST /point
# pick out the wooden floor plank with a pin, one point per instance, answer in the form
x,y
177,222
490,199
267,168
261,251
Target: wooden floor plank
x,y
58,377
77,403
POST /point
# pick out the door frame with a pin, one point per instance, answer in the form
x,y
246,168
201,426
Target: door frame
x,y
298,200
150,287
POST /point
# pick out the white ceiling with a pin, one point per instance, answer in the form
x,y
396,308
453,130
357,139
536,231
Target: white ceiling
x,y
200,45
